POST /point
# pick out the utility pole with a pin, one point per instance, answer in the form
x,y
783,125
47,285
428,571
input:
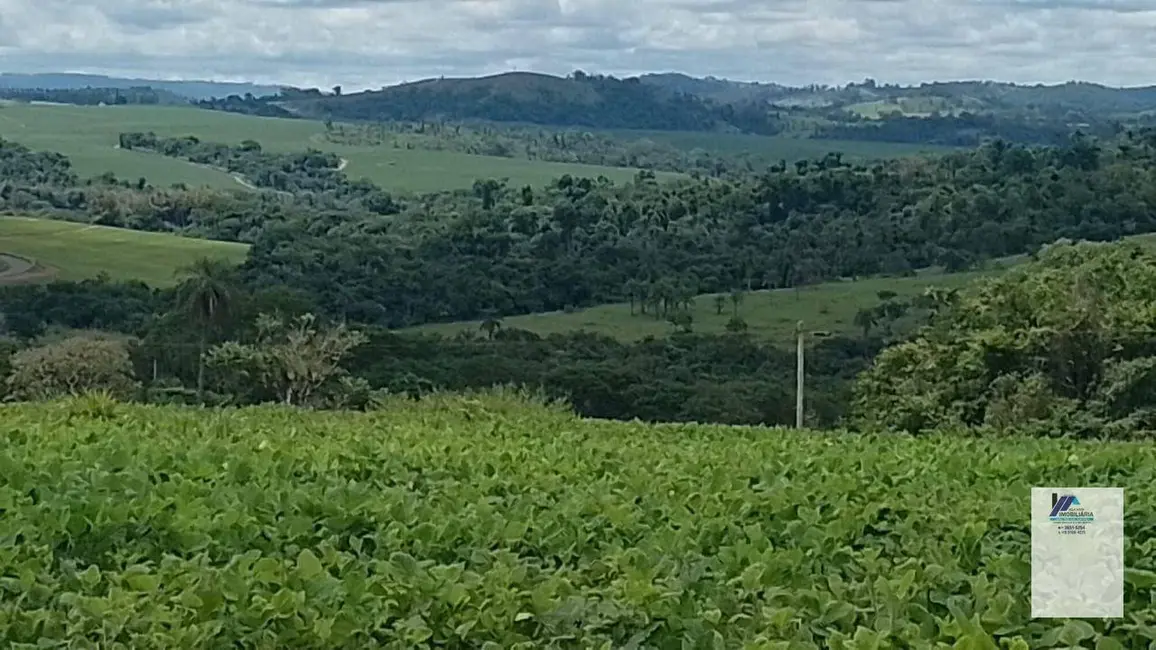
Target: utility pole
x,y
799,336
799,375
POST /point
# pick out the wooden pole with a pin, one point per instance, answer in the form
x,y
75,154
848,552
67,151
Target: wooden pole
x,y
799,375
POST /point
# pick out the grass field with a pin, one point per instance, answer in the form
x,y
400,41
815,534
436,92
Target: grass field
x,y
76,251
771,315
88,135
486,521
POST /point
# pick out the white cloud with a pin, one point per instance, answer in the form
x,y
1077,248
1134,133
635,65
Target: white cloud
x,y
366,43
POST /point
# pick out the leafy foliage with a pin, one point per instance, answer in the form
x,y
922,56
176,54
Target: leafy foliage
x,y
1063,344
72,366
484,522
500,250
733,378
21,166
579,243
295,361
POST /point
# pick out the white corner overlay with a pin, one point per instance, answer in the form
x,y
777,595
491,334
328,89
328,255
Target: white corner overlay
x,y
1077,552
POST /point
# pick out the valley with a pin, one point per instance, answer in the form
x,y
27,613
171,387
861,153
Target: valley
x,y
510,360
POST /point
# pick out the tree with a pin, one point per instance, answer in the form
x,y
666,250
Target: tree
x,y
72,366
737,297
720,302
683,321
1066,343
866,318
207,294
490,326
299,362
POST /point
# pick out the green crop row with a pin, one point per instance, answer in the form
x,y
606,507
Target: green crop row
x,y
492,523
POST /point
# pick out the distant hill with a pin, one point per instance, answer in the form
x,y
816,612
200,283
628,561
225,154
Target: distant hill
x,y
194,90
581,100
946,96
715,89
93,96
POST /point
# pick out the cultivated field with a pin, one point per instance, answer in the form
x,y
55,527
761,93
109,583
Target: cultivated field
x,y
73,251
487,522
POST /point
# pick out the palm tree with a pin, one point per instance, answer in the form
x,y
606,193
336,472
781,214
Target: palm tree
x,y
206,293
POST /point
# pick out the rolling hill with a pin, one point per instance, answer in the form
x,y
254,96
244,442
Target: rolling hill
x,y
949,113
592,101
35,250
88,135
190,89
978,96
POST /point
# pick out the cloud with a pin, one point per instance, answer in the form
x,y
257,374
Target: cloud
x,y
370,43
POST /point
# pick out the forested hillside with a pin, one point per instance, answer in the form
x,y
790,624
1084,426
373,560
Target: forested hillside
x,y
957,113
595,101
348,251
501,250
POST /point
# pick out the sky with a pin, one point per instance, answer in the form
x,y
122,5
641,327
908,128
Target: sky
x,y
372,43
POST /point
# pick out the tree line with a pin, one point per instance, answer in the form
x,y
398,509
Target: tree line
x,y
962,130
141,95
213,340
1062,345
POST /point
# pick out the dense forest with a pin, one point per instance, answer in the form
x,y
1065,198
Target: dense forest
x,y
247,104
964,130
499,250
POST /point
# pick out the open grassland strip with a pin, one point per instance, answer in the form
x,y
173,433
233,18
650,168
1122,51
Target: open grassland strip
x,y
73,251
